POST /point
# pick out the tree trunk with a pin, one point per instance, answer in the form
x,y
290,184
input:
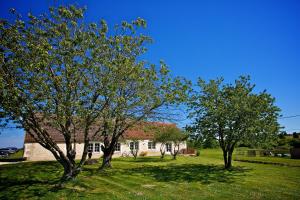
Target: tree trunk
x,y
162,151
106,161
227,158
70,171
229,165
175,151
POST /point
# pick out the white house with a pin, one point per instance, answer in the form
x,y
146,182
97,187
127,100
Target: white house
x,y
135,138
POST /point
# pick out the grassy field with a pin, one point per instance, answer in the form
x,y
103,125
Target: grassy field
x,y
148,178
18,154
270,160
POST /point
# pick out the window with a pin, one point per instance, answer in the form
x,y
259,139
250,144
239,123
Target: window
x,y
118,147
151,145
97,147
169,147
134,145
90,147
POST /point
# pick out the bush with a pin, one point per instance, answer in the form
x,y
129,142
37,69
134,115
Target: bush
x,y
296,135
295,143
143,153
198,153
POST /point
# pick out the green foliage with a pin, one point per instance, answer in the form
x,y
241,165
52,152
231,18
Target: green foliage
x,y
233,114
198,153
169,134
287,141
295,143
57,70
296,135
201,141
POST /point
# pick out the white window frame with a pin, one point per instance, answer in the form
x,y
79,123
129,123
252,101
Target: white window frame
x,y
169,147
97,149
118,149
151,145
134,145
89,147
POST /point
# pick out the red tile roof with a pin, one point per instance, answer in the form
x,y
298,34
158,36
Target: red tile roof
x,y
140,132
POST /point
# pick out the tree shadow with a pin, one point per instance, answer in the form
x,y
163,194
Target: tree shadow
x,y
28,180
151,159
205,174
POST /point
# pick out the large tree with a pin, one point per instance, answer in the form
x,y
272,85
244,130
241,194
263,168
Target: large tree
x,y
59,72
135,90
233,113
48,81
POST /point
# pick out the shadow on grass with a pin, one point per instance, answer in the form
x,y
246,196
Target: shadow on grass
x,y
28,180
150,159
144,159
35,180
205,174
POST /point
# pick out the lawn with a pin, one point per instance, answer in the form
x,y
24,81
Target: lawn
x,y
270,160
148,178
18,154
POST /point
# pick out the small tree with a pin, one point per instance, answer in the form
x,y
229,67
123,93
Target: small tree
x,y
233,114
162,135
170,134
134,147
176,137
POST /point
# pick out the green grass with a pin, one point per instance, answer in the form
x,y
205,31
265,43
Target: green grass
x,y
16,155
270,160
148,178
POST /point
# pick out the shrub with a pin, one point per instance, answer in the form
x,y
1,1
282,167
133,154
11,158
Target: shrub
x,y
295,143
143,153
296,135
198,153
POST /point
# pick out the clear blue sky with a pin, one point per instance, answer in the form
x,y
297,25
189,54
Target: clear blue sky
x,y
209,39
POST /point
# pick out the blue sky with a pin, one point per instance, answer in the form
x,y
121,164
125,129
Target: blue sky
x,y
208,39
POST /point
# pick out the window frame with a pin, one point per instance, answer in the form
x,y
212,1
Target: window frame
x,y
134,145
97,149
151,145
168,147
118,147
89,147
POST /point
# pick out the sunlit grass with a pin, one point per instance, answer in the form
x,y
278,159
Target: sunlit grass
x,y
150,178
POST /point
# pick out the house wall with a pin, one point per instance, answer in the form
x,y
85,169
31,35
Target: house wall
x,y
35,152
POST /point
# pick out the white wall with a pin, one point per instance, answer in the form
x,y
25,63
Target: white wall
x,y
35,152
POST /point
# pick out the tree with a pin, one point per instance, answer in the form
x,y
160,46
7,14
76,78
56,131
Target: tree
x,y
168,134
135,90
59,72
162,136
134,147
47,79
295,135
176,137
233,113
198,140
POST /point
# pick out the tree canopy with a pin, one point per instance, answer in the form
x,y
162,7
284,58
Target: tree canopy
x,y
170,134
59,71
233,113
